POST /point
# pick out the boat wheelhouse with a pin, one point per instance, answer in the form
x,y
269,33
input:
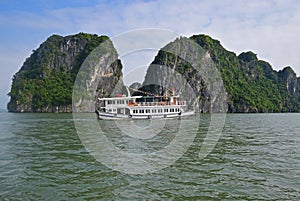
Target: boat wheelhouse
x,y
142,107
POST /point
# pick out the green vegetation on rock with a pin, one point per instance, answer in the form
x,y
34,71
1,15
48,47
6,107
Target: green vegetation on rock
x,y
251,84
45,81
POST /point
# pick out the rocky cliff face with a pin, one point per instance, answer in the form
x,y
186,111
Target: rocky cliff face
x,y
288,78
45,81
251,85
100,76
188,69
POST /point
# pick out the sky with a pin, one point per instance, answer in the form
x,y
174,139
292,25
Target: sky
x,y
269,28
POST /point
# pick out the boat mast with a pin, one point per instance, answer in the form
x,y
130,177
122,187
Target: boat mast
x,y
128,92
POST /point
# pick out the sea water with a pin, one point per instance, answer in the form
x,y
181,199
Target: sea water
x,y
257,156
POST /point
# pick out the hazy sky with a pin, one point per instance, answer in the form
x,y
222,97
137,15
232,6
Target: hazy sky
x,y
270,28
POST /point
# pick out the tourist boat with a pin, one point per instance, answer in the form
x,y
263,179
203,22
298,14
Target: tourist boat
x,y
142,107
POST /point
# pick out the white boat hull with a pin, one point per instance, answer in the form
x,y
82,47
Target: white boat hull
x,y
111,116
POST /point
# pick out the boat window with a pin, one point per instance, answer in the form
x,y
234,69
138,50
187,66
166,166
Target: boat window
x,y
172,110
153,110
141,111
166,110
147,110
159,110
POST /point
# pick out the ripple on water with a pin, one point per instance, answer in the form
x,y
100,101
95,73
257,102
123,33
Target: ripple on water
x,y
257,157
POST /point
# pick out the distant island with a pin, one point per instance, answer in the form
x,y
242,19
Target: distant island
x,y
45,81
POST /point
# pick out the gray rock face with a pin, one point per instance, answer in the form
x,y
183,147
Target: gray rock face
x,y
188,69
100,76
289,79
